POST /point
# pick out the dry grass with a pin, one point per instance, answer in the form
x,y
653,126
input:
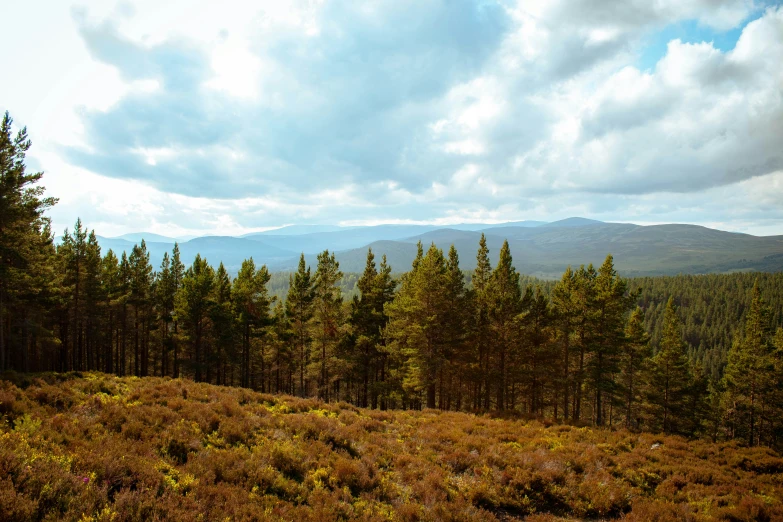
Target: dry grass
x,y
98,447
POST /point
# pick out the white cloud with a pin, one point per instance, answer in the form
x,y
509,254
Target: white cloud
x,y
235,117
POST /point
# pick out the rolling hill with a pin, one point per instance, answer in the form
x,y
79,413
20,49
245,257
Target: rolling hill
x,y
546,251
543,250
230,250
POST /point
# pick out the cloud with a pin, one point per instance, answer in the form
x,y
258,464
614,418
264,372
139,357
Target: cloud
x,y
249,116
337,104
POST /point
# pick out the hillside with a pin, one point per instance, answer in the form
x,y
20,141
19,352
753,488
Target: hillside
x,y
545,251
540,249
231,251
96,447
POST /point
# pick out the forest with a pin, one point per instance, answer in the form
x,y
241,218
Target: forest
x,y
688,355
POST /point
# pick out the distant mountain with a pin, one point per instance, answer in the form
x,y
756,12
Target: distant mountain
x,y
230,250
233,250
346,238
136,237
483,226
296,230
546,251
343,239
572,222
543,250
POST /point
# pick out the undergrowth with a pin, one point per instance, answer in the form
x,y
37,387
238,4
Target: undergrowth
x,y
94,447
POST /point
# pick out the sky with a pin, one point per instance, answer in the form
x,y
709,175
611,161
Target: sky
x,y
191,118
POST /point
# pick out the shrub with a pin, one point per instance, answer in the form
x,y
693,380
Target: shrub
x,y
96,447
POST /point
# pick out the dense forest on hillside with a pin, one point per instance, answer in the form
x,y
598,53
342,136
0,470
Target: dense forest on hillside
x,y
687,355
710,306
95,447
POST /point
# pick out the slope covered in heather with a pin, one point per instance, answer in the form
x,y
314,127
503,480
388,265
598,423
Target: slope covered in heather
x,y
97,447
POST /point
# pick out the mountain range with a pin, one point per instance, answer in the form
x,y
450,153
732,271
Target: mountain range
x,y
538,248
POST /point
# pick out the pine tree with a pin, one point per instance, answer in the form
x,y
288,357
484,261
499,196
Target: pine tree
x,y
456,317
370,358
669,377
124,296
367,320
177,277
583,297
536,368
141,279
94,299
110,275
73,251
327,319
24,232
505,299
750,377
251,303
384,291
634,354
280,336
299,309
221,316
480,332
194,303
414,329
607,314
565,318
164,297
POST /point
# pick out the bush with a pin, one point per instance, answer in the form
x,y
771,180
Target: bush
x,y
97,447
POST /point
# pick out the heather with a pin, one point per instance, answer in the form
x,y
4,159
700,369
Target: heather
x,y
90,446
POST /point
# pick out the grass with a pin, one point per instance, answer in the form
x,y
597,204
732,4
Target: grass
x,y
99,447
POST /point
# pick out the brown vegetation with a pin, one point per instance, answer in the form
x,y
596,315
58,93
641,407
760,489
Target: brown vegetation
x,y
99,447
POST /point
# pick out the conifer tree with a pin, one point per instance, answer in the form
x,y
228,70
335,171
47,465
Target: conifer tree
x,y
607,313
583,296
480,333
750,376
165,297
124,296
94,300
536,366
177,277
368,320
414,328
505,300
193,305
565,317
384,290
327,319
220,355
279,339
634,354
251,303
456,355
299,309
669,377
141,279
73,251
24,232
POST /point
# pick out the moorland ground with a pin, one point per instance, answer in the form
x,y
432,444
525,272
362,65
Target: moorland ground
x,y
90,446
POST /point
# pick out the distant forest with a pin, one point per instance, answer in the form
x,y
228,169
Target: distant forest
x,y
691,355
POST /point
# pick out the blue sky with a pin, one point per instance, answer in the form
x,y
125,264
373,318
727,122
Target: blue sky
x,y
196,118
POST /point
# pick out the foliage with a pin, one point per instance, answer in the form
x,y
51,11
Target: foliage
x,y
98,447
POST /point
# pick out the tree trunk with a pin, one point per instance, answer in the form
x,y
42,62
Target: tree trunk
x,y
2,329
176,350
136,341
